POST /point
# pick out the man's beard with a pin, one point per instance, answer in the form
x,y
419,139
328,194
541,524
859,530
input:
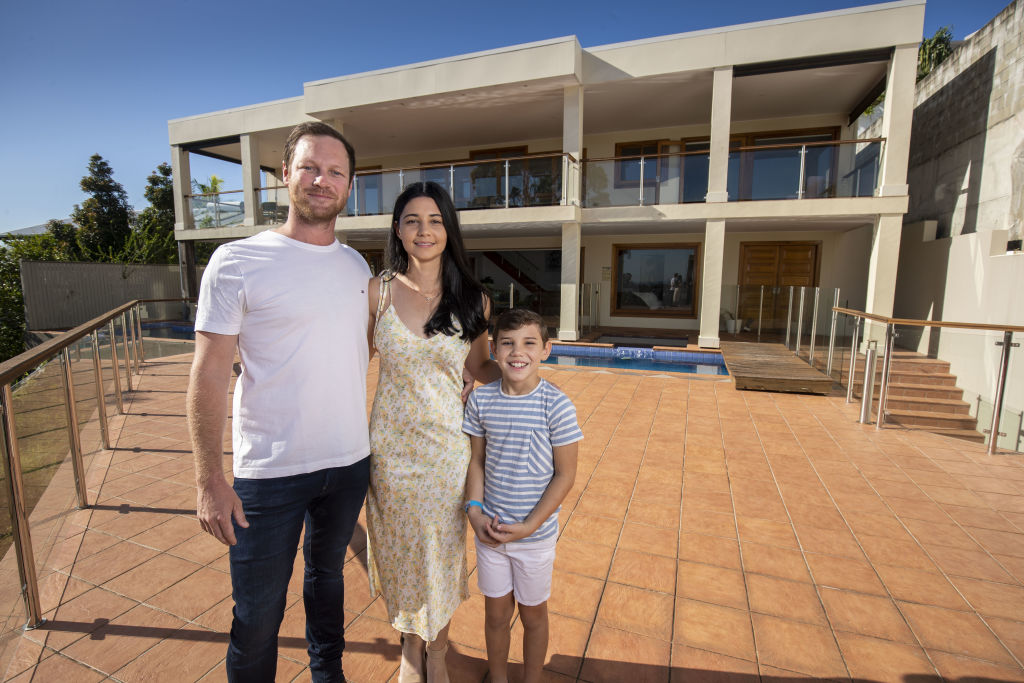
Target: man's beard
x,y
315,213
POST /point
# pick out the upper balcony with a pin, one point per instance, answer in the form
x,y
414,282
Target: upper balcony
x,y
728,123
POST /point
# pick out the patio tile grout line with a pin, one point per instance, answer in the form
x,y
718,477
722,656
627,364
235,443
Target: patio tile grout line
x,y
942,571
605,581
882,498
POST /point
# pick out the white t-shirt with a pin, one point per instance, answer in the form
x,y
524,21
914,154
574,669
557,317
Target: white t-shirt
x,y
300,313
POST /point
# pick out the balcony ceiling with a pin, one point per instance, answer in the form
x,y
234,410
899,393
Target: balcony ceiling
x,y
532,111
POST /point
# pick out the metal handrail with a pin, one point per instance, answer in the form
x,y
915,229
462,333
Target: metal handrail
x,y
12,370
913,322
890,334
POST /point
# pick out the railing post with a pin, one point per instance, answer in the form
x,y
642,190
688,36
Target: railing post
x,y
641,181
138,322
511,295
565,180
124,347
355,191
800,320
101,395
130,320
760,310
19,515
506,186
832,333
789,316
803,165
814,327
853,360
868,392
451,181
997,403
883,389
117,370
401,180
74,437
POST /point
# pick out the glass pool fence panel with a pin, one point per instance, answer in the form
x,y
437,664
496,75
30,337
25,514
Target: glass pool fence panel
x,y
44,449
167,328
217,210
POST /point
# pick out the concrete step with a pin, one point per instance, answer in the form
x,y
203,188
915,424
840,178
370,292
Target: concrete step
x,y
965,434
950,406
924,391
929,419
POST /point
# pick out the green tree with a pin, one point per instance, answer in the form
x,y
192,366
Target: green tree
x,y
152,236
934,51
104,219
12,302
65,237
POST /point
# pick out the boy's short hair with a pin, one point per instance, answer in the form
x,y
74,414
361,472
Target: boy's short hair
x,y
515,318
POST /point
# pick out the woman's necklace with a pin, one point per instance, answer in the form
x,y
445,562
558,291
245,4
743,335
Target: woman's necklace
x,y
426,298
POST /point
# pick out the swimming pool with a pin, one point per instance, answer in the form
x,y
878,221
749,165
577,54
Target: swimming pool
x,y
570,355
637,358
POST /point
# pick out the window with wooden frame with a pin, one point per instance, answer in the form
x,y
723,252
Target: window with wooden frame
x,y
627,171
655,280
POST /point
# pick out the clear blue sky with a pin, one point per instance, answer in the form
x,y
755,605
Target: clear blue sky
x,y
104,76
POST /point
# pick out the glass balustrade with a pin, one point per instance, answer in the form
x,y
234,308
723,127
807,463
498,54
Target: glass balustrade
x,y
769,172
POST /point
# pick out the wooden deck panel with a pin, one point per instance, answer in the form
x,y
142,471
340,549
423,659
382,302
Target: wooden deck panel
x,y
772,367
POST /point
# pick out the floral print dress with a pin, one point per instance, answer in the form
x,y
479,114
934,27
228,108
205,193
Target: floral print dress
x,y
416,530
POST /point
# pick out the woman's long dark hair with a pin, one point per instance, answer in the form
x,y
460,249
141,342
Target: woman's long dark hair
x,y
461,293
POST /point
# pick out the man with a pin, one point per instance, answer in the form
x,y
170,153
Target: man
x,y
293,301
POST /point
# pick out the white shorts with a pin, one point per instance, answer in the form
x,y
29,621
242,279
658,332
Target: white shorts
x,y
520,568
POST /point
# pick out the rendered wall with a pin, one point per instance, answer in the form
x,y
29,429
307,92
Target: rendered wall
x,y
968,128
967,278
966,147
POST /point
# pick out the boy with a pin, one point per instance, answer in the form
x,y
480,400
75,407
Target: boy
x,y
524,435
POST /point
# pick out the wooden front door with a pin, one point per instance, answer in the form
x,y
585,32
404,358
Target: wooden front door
x,y
768,269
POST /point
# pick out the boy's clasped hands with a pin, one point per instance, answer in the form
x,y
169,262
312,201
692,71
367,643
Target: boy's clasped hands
x,y
494,532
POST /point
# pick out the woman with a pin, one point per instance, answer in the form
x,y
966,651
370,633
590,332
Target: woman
x,y
428,321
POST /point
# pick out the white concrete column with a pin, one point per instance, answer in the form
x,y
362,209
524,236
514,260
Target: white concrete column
x,y
896,119
572,142
181,177
568,319
721,119
711,284
883,264
251,180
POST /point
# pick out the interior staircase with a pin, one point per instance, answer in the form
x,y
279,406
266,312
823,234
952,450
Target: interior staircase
x,y
922,395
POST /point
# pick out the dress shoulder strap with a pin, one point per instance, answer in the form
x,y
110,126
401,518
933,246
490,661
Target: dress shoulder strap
x,y
382,298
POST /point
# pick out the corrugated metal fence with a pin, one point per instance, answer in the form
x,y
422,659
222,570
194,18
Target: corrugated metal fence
x,y
63,295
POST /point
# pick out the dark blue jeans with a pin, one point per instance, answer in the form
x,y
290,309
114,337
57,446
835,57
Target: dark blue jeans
x,y
327,502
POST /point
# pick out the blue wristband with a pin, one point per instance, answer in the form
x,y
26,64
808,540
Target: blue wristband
x,y
472,503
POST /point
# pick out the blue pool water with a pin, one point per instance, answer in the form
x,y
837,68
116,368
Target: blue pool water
x,y
619,357
635,358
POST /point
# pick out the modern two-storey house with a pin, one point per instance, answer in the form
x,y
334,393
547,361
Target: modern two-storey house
x,y
635,184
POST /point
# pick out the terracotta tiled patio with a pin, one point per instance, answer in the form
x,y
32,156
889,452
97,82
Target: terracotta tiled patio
x,y
712,535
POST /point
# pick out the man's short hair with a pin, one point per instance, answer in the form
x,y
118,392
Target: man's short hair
x,y
516,318
318,128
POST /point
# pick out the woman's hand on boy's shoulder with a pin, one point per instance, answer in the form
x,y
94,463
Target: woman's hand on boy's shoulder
x,y
468,382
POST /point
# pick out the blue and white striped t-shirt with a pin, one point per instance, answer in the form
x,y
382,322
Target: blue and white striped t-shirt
x,y
520,431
